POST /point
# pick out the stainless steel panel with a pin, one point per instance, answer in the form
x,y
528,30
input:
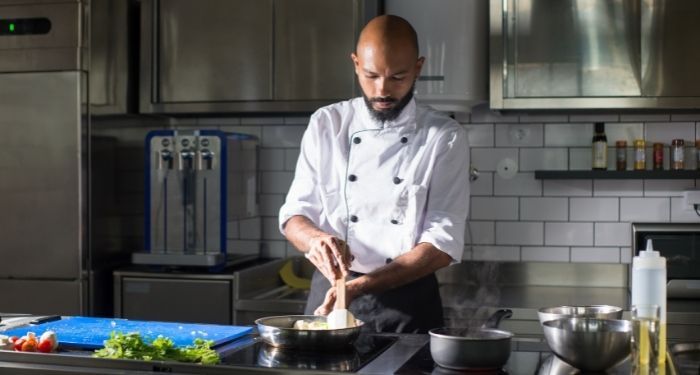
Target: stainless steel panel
x,y
43,188
207,196
581,54
46,297
180,299
214,50
59,49
313,41
109,56
564,48
670,55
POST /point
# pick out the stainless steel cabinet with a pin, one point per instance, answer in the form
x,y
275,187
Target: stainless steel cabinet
x,y
248,55
110,90
312,54
594,54
178,297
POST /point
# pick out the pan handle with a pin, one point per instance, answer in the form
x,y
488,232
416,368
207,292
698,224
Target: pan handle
x,y
496,318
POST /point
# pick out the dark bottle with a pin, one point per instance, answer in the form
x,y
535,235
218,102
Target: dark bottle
x,y
600,147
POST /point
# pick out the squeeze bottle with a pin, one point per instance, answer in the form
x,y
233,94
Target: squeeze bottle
x,y
649,288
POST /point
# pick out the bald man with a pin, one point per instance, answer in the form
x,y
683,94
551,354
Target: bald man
x,y
381,189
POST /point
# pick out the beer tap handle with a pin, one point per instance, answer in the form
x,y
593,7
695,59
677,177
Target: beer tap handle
x,y
206,156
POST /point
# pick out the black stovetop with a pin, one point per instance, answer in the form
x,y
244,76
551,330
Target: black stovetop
x,y
255,353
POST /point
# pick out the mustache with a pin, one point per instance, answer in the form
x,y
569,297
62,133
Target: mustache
x,y
386,99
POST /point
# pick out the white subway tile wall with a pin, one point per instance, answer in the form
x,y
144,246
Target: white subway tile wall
x,y
510,219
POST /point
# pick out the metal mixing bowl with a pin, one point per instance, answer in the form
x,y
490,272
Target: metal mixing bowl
x,y
589,344
592,311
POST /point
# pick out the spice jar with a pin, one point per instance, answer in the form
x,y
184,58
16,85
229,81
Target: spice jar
x,y
640,159
658,156
621,155
677,154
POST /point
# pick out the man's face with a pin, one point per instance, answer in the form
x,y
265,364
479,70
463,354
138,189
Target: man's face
x,y
387,78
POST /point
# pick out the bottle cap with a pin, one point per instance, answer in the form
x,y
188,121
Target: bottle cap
x,y
649,252
599,127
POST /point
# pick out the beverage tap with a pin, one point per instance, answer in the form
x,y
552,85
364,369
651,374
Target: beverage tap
x,y
164,157
186,159
205,159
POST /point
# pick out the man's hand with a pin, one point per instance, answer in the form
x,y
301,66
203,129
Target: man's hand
x,y
329,302
330,255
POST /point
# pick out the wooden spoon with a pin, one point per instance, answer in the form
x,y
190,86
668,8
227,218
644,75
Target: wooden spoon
x,y
340,317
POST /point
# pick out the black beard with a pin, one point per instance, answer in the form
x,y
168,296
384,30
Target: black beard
x,y
391,113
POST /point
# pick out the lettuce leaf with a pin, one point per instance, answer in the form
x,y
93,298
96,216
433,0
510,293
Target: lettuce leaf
x,y
132,346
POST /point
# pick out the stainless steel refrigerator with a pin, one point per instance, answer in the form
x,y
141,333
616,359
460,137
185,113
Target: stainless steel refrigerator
x,y
46,264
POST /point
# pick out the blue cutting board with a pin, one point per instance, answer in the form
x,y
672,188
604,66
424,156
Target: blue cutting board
x,y
90,333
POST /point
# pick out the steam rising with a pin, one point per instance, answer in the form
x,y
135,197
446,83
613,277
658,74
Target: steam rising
x,y
470,304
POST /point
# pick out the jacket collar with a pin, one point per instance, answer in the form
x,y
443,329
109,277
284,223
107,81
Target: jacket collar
x,y
406,120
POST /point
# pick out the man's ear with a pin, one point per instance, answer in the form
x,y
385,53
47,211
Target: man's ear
x,y
419,65
355,61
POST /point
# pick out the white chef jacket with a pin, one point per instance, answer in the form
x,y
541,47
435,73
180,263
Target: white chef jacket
x,y
383,187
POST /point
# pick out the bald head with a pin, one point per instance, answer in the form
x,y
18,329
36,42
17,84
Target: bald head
x,y
389,33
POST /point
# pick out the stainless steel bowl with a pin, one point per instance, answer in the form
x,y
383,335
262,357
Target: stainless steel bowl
x,y
589,344
279,331
591,311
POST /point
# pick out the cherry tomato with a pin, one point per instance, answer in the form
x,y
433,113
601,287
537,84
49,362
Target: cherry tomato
x,y
45,346
13,339
29,346
18,344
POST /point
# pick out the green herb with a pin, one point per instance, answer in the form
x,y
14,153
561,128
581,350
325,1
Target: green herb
x,y
132,346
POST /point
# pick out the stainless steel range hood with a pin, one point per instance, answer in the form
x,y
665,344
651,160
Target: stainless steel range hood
x,y
579,54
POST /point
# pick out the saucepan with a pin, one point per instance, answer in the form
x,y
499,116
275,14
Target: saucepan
x,y
485,347
279,331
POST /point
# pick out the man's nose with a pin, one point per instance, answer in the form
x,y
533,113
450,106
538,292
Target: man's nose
x,y
382,87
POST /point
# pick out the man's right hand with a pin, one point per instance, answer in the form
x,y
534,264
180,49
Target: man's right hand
x,y
330,255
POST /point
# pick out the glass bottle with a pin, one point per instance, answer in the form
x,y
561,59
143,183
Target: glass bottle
x,y
640,160
600,147
658,156
677,154
621,155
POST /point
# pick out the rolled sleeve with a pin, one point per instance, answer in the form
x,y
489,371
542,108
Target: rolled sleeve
x,y
448,197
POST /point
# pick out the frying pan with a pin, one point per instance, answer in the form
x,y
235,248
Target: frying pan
x,y
279,331
463,349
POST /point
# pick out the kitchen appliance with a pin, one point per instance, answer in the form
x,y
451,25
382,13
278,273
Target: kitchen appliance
x,y
573,54
198,184
48,262
679,243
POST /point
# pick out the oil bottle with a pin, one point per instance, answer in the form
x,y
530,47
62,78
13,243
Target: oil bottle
x,y
600,147
649,288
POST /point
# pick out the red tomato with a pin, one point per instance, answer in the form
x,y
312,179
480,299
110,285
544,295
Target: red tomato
x,y
45,346
18,344
13,338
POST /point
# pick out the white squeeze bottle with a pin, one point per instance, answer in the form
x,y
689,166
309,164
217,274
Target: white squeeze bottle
x,y
649,287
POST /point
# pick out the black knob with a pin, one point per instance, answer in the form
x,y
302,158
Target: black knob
x,y
353,218
397,180
394,221
404,139
352,178
356,140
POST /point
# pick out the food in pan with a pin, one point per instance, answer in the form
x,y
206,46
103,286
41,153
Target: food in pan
x,y
312,324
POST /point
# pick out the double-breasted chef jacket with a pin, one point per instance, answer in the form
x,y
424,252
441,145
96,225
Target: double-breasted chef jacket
x,y
383,186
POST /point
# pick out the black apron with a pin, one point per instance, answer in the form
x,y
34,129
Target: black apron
x,y
412,308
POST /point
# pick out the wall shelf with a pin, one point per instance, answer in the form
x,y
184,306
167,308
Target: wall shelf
x,y
617,175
